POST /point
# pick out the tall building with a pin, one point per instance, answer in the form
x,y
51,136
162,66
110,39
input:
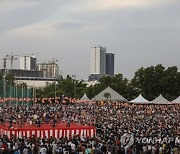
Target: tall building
x,y
102,63
50,69
98,61
28,63
110,64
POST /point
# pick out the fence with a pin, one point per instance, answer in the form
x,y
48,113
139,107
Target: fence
x,y
16,91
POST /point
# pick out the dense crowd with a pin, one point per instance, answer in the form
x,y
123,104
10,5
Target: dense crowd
x,y
111,119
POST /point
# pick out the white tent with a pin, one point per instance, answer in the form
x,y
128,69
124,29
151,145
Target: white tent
x,y
160,100
84,97
140,100
176,101
114,96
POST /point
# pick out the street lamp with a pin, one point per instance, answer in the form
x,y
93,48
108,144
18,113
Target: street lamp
x,y
74,78
16,93
55,90
4,85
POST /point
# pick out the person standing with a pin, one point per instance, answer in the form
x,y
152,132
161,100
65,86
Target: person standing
x,y
43,150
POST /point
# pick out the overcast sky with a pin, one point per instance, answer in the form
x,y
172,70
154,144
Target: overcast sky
x,y
140,33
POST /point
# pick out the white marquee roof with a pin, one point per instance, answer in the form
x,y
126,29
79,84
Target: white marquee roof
x,y
176,101
84,97
140,100
114,96
160,100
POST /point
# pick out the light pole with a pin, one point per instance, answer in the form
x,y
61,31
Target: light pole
x,y
14,91
34,94
55,90
10,93
27,92
4,87
22,93
16,94
74,78
4,79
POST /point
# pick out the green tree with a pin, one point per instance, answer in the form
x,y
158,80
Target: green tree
x,y
1,75
155,80
107,96
64,86
10,79
117,82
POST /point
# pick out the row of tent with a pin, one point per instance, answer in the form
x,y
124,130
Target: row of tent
x,y
114,96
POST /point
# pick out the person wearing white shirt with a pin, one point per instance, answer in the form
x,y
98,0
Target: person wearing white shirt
x,y
43,150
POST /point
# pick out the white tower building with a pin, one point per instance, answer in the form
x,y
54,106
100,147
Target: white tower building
x,y
28,63
98,60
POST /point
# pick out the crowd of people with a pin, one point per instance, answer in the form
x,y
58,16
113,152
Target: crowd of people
x,y
111,119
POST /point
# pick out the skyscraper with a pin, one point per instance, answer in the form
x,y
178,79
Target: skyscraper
x,y
102,63
98,62
110,64
28,63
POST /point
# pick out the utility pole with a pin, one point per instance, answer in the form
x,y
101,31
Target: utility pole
x,y
4,78
16,94
54,74
55,90
74,78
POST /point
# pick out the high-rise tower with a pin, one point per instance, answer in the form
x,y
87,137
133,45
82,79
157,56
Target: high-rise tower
x,y
110,64
102,63
98,60
28,63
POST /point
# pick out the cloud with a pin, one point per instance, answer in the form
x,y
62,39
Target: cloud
x,y
135,30
38,30
20,13
105,5
9,5
69,25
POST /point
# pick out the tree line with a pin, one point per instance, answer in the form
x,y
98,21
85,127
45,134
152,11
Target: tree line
x,y
150,82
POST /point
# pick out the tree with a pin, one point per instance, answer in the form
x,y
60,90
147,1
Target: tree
x,y
10,79
155,80
64,86
107,96
150,82
117,82
1,75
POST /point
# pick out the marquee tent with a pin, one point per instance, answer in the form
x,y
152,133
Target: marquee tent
x,y
140,100
160,100
113,96
85,98
176,101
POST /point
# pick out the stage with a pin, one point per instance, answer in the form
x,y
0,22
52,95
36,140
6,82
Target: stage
x,y
46,130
